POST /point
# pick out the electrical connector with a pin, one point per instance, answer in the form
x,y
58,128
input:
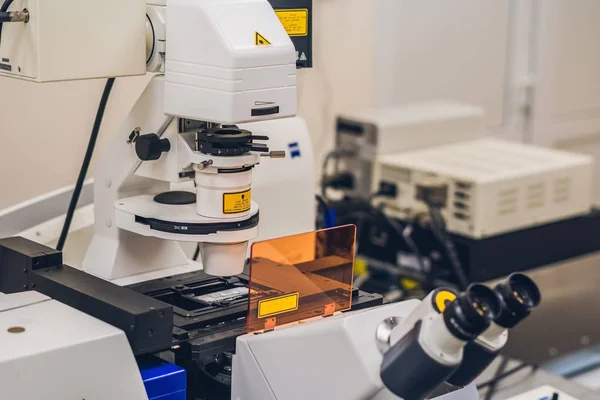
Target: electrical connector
x,y
387,189
433,192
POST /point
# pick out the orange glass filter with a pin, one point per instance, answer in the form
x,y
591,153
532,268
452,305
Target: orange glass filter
x,y
299,277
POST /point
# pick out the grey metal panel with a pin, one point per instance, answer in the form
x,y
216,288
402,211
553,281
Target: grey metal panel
x,y
565,321
41,209
17,300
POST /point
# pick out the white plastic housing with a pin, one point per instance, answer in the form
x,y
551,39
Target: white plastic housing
x,y
378,131
75,39
495,186
211,189
223,259
216,72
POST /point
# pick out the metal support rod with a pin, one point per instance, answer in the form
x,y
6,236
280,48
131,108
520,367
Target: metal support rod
x,y
14,16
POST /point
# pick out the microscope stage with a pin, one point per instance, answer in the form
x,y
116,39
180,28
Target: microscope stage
x,y
144,216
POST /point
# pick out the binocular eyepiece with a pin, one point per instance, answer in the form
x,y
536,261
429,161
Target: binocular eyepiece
x,y
472,312
519,295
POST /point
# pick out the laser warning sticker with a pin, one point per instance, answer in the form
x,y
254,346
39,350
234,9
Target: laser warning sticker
x,y
260,40
295,21
234,203
278,305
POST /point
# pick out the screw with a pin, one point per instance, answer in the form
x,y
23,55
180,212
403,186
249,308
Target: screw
x,y
161,314
19,69
585,340
553,351
150,332
134,135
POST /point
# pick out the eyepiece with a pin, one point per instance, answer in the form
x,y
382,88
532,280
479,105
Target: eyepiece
x,y
519,294
472,312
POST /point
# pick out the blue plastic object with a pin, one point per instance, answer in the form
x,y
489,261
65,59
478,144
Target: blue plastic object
x,y
162,380
329,219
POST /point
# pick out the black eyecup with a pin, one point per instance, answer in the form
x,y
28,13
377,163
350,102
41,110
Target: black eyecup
x,y
519,294
472,312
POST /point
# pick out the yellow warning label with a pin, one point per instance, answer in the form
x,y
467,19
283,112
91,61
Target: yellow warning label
x,y
260,40
294,21
442,298
278,305
234,203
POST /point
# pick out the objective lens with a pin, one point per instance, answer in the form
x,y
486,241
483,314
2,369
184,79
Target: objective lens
x,y
519,294
472,312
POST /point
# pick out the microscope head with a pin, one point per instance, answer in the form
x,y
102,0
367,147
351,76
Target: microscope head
x,y
228,61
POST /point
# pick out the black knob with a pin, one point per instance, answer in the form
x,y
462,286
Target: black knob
x,y
149,147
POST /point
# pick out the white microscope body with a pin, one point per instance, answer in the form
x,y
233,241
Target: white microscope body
x,y
217,72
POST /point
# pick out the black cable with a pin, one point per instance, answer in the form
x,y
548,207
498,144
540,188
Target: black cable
x,y
499,371
438,227
505,375
362,216
196,253
404,233
85,165
3,9
322,203
332,154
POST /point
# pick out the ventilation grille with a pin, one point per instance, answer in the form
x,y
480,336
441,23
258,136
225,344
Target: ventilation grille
x,y
508,200
562,190
462,200
536,195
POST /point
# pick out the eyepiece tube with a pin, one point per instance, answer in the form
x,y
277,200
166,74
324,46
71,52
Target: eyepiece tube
x,y
519,294
472,312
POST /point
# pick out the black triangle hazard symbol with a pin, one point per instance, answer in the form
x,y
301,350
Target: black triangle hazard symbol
x,y
260,40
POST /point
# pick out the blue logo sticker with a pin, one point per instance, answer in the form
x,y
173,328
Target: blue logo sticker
x,y
294,150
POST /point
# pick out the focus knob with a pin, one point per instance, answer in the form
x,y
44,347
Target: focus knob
x,y
149,147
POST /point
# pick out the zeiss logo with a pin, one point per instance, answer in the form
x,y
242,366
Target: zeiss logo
x,y
294,150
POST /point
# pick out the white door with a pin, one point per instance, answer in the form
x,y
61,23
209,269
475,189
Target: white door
x,y
566,104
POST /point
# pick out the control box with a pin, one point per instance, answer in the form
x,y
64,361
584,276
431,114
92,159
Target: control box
x,y
374,132
493,186
74,39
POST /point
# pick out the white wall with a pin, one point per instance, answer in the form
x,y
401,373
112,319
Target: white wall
x,y
45,128
566,112
431,49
